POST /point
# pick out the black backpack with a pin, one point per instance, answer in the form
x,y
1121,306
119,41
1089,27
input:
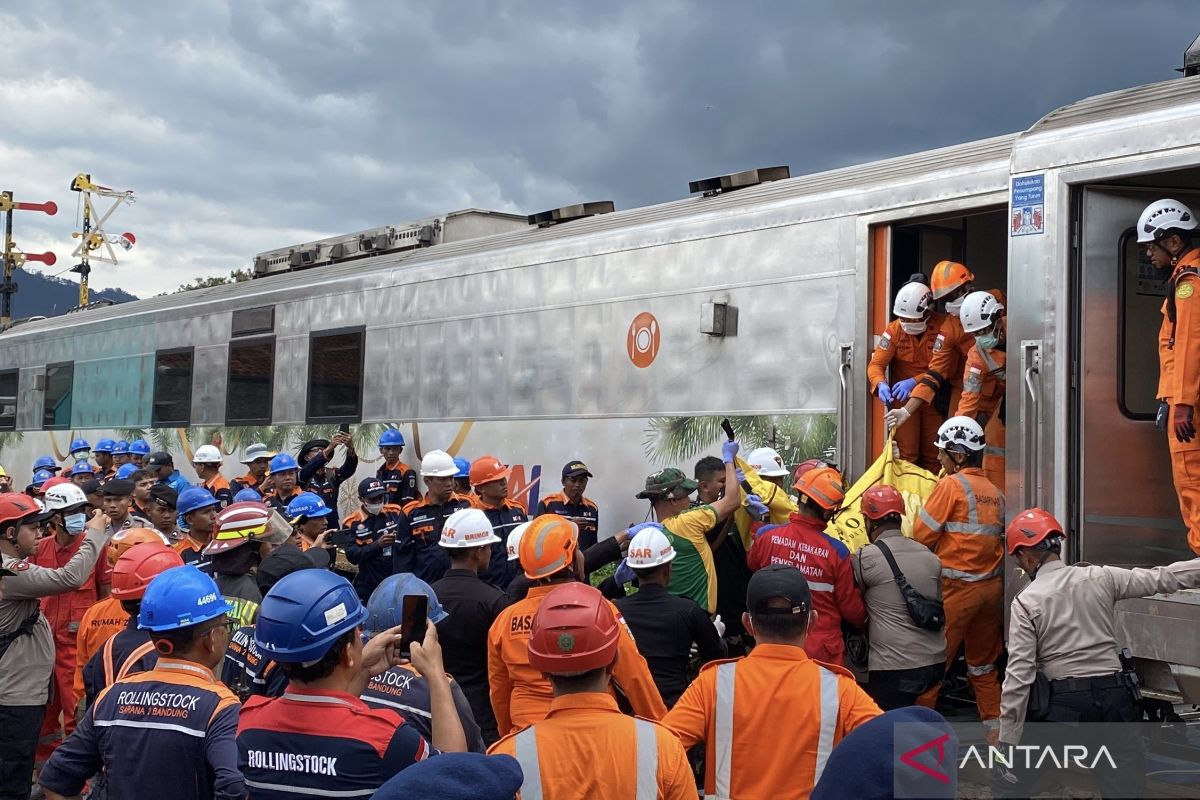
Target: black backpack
x,y
925,612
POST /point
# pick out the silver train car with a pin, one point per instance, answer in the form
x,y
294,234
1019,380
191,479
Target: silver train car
x,y
762,303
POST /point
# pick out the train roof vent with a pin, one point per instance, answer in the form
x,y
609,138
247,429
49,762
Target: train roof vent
x,y
1191,59
557,216
739,180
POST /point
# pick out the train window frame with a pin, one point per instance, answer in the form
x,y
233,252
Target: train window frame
x,y
249,341
157,420
1122,327
313,338
70,391
10,423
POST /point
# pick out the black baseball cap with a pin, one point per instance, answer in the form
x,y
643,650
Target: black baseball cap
x,y
160,459
774,582
286,559
574,468
164,495
91,487
371,487
117,488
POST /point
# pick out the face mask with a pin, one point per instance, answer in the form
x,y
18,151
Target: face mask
x,y
913,328
75,523
954,305
82,455
373,508
987,341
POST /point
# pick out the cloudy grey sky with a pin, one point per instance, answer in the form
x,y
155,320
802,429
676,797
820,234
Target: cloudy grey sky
x,y
251,124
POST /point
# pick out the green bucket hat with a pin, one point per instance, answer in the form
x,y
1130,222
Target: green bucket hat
x,y
664,482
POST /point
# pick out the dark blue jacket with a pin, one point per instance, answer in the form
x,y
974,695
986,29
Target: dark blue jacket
x,y
401,483
404,691
247,671
374,561
504,518
127,652
417,549
314,478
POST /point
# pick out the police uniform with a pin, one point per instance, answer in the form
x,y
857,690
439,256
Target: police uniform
x,y
127,653
405,691
374,561
504,517
400,482
585,514
416,549
168,732
472,606
247,671
322,743
664,627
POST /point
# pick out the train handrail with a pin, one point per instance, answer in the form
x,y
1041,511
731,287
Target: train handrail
x,y
845,365
1031,423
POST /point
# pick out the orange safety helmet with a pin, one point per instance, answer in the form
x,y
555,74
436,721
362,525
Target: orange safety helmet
x,y
879,501
486,469
948,276
822,486
138,566
15,507
1031,527
573,631
122,541
548,546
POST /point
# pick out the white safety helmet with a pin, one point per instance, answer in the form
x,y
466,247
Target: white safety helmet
x,y
913,301
960,433
438,464
64,496
649,548
467,527
979,310
767,463
514,540
206,454
1162,218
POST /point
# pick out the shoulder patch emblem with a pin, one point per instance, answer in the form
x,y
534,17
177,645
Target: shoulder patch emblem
x,y
1184,291
20,566
938,343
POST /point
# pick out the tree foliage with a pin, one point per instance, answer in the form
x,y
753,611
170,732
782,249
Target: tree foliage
x,y
208,281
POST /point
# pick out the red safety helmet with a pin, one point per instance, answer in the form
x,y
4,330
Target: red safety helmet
x,y
239,524
57,480
16,507
822,486
810,464
574,631
138,566
1031,527
879,501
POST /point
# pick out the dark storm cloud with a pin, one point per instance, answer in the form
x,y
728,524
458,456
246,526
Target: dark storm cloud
x,y
246,126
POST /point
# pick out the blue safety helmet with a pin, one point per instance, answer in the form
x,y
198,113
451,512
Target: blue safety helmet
x,y
386,606
125,471
104,446
194,498
247,496
41,476
121,448
391,438
283,462
79,444
180,597
47,463
140,448
304,614
307,505
83,468
464,468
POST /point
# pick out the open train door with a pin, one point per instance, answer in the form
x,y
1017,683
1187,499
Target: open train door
x,y
1122,500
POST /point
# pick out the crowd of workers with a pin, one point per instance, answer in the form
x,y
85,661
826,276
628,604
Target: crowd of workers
x,y
236,639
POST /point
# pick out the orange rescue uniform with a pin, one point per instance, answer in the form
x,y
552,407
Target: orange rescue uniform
x,y
983,394
900,356
950,350
588,747
99,624
521,695
1179,382
768,721
963,523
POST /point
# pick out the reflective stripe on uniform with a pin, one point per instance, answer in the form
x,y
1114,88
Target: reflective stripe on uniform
x,y
525,746
981,670
960,575
723,733
290,789
820,587
969,493
995,452
979,528
929,521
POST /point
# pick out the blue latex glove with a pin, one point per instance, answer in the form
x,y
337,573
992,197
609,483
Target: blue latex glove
x,y
903,389
1160,420
729,451
741,476
884,393
757,507
623,574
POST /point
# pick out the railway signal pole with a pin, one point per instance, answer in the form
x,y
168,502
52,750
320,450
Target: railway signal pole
x,y
14,257
91,235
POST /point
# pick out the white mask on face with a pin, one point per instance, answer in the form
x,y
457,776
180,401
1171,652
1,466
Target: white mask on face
x,y
373,508
912,328
953,306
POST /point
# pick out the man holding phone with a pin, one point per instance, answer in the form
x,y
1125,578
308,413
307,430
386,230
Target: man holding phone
x,y
375,526
319,737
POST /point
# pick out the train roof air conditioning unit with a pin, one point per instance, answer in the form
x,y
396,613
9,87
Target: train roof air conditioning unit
x,y
738,180
557,216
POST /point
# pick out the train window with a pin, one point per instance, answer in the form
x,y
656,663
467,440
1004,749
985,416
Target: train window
x,y
56,413
8,400
173,387
1142,293
250,321
251,378
335,368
